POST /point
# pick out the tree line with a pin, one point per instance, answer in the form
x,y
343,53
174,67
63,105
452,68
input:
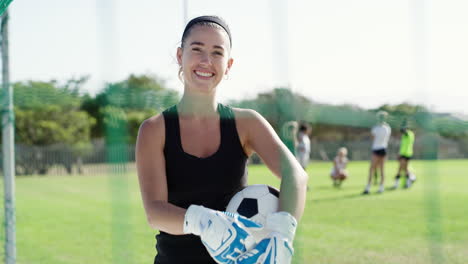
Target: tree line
x,y
346,123
60,113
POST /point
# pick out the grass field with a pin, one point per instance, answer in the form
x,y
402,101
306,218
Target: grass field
x,y
100,219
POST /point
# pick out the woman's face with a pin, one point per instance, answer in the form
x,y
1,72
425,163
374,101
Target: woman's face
x,y
205,58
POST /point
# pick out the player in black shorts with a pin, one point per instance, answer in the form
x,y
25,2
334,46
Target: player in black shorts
x,y
380,152
380,135
406,152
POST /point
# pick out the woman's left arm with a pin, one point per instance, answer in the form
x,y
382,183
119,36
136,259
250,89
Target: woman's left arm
x,y
258,136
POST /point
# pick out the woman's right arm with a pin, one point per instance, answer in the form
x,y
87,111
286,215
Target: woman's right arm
x,y
151,168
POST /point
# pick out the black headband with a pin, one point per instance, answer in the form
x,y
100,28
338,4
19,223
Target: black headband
x,y
209,19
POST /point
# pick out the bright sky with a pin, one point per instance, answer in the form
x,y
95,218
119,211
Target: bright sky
x,y
362,52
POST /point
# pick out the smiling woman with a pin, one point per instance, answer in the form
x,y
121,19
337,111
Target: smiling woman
x,y
204,55
191,160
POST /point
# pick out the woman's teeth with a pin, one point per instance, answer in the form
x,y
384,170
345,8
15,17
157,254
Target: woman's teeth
x,y
204,74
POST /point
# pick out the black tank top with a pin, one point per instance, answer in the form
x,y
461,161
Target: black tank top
x,y
210,182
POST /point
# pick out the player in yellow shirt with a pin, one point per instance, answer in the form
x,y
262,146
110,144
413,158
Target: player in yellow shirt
x,y
406,153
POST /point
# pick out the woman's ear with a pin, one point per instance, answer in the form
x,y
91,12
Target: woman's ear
x,y
179,56
229,65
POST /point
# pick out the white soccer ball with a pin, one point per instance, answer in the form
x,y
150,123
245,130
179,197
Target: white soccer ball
x,y
412,177
255,202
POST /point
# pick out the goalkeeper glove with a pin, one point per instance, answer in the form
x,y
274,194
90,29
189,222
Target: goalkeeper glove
x,y
277,247
225,235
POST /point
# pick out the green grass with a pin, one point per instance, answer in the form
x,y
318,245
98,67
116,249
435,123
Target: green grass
x,y
100,219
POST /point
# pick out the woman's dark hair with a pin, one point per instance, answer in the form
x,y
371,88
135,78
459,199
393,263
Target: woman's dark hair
x,y
211,21
304,128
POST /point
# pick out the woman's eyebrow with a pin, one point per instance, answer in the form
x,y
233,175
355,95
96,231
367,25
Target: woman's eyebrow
x,y
203,44
197,43
218,47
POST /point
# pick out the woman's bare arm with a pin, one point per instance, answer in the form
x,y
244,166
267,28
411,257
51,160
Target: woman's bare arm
x,y
258,136
151,169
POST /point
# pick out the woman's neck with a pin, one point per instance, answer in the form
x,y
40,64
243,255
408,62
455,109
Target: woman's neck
x,y
198,106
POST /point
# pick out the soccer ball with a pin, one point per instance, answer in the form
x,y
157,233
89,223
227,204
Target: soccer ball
x,y
255,202
412,177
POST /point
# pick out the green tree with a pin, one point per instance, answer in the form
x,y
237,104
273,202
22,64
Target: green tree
x,y
139,96
47,114
344,123
281,105
36,94
52,124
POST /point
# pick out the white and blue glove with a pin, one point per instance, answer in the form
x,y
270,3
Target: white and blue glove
x,y
225,235
277,247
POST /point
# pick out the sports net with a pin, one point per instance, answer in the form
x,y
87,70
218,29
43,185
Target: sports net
x,y
61,131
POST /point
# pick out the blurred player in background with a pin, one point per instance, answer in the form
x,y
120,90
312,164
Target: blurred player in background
x,y
303,145
380,137
406,153
339,172
289,135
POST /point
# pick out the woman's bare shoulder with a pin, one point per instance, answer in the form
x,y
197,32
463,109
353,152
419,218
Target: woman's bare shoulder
x,y
246,115
153,128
